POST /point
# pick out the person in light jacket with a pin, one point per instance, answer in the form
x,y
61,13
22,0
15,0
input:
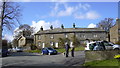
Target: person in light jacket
x,y
72,49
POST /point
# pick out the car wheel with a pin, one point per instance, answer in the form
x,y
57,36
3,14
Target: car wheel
x,y
116,49
49,54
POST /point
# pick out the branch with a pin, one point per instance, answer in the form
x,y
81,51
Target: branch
x,y
9,13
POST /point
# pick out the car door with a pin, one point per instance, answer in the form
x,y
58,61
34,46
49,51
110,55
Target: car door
x,y
108,46
43,50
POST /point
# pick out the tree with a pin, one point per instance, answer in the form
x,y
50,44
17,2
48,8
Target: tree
x,y
15,43
9,15
62,42
106,24
9,44
75,41
25,30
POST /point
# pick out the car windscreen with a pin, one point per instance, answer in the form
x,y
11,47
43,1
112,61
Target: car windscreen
x,y
50,48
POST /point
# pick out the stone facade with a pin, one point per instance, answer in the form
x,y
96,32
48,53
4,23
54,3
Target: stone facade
x,y
115,32
51,37
25,42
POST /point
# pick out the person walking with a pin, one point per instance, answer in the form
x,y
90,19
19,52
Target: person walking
x,y
72,49
67,49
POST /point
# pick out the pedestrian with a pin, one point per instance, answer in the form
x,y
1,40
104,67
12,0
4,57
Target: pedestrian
x,y
72,49
67,49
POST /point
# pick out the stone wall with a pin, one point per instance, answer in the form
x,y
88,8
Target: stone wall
x,y
100,55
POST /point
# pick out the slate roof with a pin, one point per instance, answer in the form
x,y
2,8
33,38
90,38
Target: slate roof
x,y
69,30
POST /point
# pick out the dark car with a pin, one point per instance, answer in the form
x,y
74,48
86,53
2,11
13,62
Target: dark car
x,y
4,52
48,51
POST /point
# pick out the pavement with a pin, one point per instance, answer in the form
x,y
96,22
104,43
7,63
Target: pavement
x,y
35,59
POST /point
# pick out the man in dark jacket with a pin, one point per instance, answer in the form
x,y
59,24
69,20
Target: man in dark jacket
x,y
67,47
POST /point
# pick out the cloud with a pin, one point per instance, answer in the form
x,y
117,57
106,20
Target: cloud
x,y
79,11
8,37
45,25
91,25
67,12
87,15
92,15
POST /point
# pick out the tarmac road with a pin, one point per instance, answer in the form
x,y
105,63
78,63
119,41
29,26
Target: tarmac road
x,y
34,59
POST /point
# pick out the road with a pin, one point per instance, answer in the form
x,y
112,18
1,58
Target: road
x,y
34,59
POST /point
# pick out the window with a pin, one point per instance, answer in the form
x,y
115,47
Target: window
x,y
95,35
51,36
39,37
51,43
66,36
39,44
83,36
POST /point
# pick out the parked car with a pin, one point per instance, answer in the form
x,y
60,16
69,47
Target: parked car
x,y
102,45
4,52
19,49
90,46
48,51
111,46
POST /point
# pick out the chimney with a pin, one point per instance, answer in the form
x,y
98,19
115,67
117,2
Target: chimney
x,y
41,28
62,26
73,25
51,27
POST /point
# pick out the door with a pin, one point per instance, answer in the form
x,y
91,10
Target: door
x,y
108,46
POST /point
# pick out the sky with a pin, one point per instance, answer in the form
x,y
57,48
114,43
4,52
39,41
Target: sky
x,y
83,14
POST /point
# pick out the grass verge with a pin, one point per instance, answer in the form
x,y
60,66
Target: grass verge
x,y
111,62
33,51
61,50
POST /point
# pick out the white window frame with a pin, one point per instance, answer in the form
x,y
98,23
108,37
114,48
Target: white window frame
x,y
39,44
51,36
51,43
66,36
95,35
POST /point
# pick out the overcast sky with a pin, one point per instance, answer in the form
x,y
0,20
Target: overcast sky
x,y
83,14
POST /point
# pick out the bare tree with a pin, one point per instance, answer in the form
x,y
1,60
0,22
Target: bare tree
x,y
10,14
106,24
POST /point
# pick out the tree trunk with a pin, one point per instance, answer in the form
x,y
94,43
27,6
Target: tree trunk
x,y
1,22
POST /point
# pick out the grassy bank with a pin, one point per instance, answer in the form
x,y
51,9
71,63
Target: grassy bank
x,y
111,62
33,51
60,50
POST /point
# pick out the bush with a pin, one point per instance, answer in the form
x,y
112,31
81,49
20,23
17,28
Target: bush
x,y
118,43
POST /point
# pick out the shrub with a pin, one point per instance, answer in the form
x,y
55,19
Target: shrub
x,y
118,43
